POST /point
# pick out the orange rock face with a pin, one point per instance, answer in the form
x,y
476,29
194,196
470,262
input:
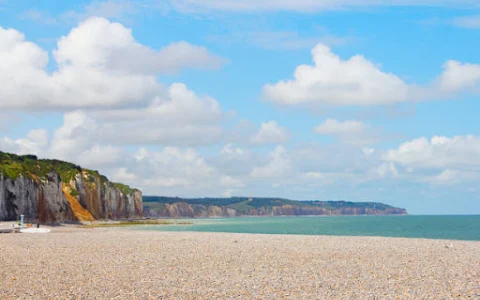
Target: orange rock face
x,y
49,200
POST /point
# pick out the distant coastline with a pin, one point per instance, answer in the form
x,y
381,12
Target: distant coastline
x,y
175,207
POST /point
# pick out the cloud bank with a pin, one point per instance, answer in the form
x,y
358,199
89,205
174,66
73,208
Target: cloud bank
x,y
357,81
99,66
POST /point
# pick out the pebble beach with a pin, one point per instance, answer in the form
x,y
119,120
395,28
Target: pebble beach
x,y
119,263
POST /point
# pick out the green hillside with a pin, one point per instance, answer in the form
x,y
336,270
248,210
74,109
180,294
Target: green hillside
x,y
245,205
12,166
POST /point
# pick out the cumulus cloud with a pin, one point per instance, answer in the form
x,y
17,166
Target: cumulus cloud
x,y
270,133
459,152
229,150
172,166
169,59
235,161
77,140
177,171
440,160
73,141
334,158
334,81
178,105
99,65
279,164
452,177
350,131
98,42
180,118
383,170
359,82
33,143
187,172
458,76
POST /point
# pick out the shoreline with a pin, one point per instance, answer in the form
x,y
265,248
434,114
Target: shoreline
x,y
143,224
105,263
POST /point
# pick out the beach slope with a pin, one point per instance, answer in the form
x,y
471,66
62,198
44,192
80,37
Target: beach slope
x,y
117,263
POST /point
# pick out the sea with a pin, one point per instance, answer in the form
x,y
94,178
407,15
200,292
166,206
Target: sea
x,y
429,227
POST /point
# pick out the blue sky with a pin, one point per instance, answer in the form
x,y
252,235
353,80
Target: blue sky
x,y
304,99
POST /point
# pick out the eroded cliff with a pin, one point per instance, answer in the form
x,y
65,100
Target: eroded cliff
x,y
236,207
54,191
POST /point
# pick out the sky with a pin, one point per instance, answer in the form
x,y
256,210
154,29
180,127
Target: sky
x,y
329,100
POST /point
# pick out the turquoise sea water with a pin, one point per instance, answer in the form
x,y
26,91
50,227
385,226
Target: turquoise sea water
x,y
432,227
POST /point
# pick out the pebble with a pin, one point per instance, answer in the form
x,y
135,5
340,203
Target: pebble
x,y
128,264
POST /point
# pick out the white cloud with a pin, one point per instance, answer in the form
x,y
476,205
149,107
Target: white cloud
x,y
334,127
333,158
235,161
180,118
440,160
472,22
229,181
270,133
178,105
100,155
96,69
457,153
350,131
172,167
100,43
307,6
122,175
368,151
170,59
33,143
452,177
77,140
279,164
385,170
228,149
73,141
359,82
333,81
458,76
237,171
176,171
74,136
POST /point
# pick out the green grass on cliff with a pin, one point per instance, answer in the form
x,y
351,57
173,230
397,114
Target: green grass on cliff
x,y
125,189
12,166
244,204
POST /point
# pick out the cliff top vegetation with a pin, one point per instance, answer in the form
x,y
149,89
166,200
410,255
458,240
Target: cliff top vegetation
x,y
243,204
12,166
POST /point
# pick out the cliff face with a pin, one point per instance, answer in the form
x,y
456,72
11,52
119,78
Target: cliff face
x,y
105,200
54,191
242,208
27,196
